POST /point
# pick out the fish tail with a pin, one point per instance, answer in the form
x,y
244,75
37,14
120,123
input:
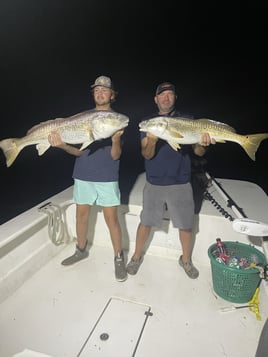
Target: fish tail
x,y
252,142
10,149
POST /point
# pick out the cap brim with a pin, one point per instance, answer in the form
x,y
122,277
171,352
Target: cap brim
x,y
164,89
100,85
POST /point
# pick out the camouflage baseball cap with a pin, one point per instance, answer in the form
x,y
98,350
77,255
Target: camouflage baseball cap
x,y
104,82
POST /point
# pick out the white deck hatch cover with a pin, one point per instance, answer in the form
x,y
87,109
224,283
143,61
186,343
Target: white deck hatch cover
x,y
118,330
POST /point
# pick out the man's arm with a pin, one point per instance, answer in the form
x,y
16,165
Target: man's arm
x,y
148,145
54,140
116,149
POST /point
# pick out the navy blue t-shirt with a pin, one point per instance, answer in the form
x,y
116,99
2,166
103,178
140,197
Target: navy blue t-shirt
x,y
168,166
96,164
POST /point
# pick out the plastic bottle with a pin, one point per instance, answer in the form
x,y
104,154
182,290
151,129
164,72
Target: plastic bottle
x,y
221,250
220,247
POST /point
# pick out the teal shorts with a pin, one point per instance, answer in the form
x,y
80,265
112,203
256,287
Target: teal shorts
x,y
105,194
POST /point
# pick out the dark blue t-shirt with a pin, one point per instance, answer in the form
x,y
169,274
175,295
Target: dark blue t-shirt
x,y
96,164
168,166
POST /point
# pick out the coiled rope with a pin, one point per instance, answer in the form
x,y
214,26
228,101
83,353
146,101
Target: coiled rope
x,y
57,229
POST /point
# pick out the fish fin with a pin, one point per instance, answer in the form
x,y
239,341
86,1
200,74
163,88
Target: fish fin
x,y
175,134
220,141
174,145
252,142
90,138
10,149
42,148
85,144
51,122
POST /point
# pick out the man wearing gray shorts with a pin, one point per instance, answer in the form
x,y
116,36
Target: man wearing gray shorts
x,y
168,175
177,198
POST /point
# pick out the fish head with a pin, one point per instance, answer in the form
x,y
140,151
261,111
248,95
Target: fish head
x,y
156,126
106,125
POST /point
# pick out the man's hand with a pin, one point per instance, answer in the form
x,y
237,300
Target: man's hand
x,y
54,139
117,135
151,137
200,148
206,140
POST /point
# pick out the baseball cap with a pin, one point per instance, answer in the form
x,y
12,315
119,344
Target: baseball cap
x,y
165,86
104,82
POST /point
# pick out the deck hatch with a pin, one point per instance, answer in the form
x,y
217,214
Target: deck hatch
x,y
118,329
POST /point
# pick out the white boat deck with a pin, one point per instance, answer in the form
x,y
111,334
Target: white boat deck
x,y
56,310
83,311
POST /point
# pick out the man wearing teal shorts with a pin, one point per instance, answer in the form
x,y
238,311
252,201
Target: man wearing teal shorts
x,y
96,174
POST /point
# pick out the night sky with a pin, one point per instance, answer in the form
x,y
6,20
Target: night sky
x,y
51,51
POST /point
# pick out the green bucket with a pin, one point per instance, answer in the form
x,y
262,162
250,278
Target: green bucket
x,y
233,284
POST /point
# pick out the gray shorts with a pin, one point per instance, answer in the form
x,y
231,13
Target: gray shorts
x,y
177,198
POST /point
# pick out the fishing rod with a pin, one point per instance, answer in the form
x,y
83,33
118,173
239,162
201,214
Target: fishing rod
x,y
242,224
